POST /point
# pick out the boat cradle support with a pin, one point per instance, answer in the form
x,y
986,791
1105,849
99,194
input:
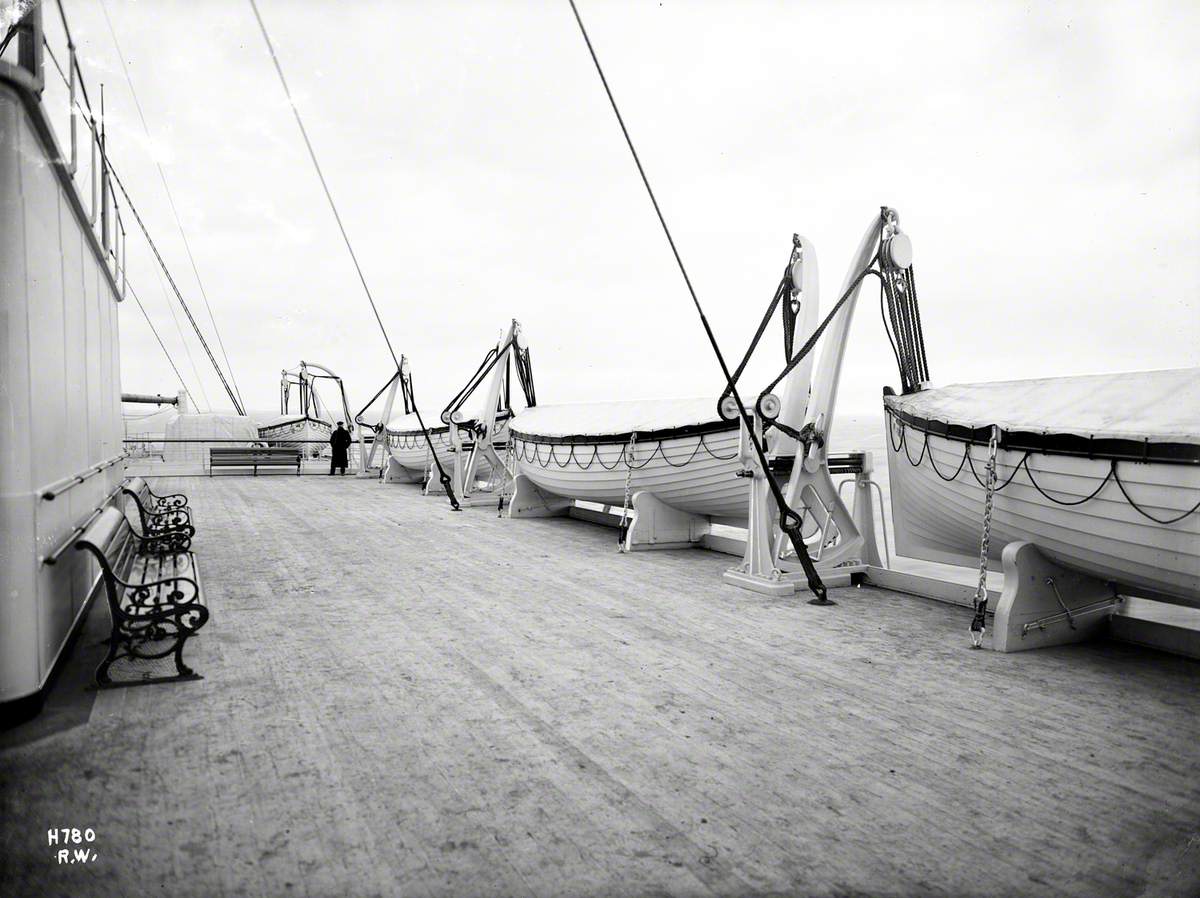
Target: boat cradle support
x,y
1045,604
394,472
531,501
654,524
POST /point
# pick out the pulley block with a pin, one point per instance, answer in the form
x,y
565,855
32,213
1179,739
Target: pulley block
x,y
897,252
769,406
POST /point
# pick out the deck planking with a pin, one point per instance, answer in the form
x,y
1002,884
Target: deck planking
x,y
402,700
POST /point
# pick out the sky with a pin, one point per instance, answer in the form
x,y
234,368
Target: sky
x,y
1044,159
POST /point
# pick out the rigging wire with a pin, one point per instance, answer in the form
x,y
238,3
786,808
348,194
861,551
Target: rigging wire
x,y
790,521
154,330
170,199
312,154
175,288
107,166
183,340
324,184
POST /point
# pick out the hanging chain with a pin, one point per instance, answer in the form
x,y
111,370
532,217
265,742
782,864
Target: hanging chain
x,y
978,622
621,531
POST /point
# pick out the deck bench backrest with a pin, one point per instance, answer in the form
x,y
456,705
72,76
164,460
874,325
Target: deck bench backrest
x,y
158,514
221,457
110,539
280,454
139,491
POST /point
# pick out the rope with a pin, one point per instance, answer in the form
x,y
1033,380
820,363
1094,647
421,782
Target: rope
x,y
789,521
884,318
443,477
183,341
171,200
901,445
324,184
782,294
473,382
174,287
154,331
1142,511
1112,470
108,167
312,154
658,452
816,334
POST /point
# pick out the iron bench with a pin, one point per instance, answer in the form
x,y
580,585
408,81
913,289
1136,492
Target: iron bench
x,y
223,457
154,596
159,514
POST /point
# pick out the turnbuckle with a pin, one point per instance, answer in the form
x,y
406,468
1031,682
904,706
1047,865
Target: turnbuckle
x,y
979,623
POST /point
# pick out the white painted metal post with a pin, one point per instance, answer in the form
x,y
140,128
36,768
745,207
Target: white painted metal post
x,y
758,570
369,461
465,469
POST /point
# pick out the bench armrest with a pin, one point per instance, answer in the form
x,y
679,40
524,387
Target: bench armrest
x,y
169,519
172,500
166,542
187,619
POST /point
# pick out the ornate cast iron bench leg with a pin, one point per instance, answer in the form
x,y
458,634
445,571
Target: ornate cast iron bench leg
x,y
183,622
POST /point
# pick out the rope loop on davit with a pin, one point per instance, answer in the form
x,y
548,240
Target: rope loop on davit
x,y
529,451
899,447
519,359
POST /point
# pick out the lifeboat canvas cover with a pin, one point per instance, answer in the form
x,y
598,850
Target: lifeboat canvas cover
x,y
615,422
288,419
1159,406
408,424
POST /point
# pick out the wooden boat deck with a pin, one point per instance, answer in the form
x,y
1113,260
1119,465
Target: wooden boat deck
x,y
400,700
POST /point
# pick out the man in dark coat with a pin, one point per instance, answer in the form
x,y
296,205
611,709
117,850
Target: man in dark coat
x,y
340,441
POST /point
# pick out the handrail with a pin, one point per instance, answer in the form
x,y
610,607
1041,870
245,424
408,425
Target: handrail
x,y
56,489
282,439
56,553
